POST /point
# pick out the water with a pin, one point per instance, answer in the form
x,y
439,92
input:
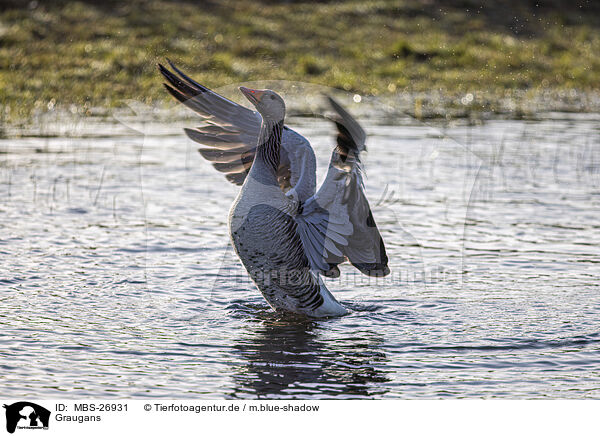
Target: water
x,y
117,280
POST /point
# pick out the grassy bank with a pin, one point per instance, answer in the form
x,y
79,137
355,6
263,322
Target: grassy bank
x,y
82,54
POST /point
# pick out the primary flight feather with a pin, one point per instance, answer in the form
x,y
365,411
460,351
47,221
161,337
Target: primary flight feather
x,y
285,232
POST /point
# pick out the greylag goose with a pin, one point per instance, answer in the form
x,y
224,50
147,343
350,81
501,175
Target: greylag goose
x,y
285,232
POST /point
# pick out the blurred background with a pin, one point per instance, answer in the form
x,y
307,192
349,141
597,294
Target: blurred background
x,y
482,171
468,54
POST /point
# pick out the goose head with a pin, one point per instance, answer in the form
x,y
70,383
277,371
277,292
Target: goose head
x,y
268,103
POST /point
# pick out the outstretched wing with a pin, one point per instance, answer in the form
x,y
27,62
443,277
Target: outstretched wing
x,y
337,223
229,134
229,131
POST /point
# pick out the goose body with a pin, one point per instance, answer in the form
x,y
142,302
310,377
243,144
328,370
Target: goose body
x,y
286,234
265,237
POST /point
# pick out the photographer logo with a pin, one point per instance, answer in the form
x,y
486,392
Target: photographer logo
x,y
26,415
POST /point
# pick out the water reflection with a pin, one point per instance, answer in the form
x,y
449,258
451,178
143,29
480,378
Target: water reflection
x,y
294,359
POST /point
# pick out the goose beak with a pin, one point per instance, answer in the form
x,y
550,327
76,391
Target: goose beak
x,y
254,95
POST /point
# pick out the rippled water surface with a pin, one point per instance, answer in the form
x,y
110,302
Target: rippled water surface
x,y
117,280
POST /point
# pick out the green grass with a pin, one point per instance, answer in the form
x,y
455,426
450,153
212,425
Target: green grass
x,y
83,54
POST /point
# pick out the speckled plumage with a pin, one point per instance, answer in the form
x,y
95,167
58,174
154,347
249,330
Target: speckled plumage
x,y
272,253
265,237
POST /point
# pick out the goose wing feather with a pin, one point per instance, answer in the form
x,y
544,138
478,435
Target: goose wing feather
x,y
343,209
230,136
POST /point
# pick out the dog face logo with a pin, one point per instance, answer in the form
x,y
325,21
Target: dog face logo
x,y
26,415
